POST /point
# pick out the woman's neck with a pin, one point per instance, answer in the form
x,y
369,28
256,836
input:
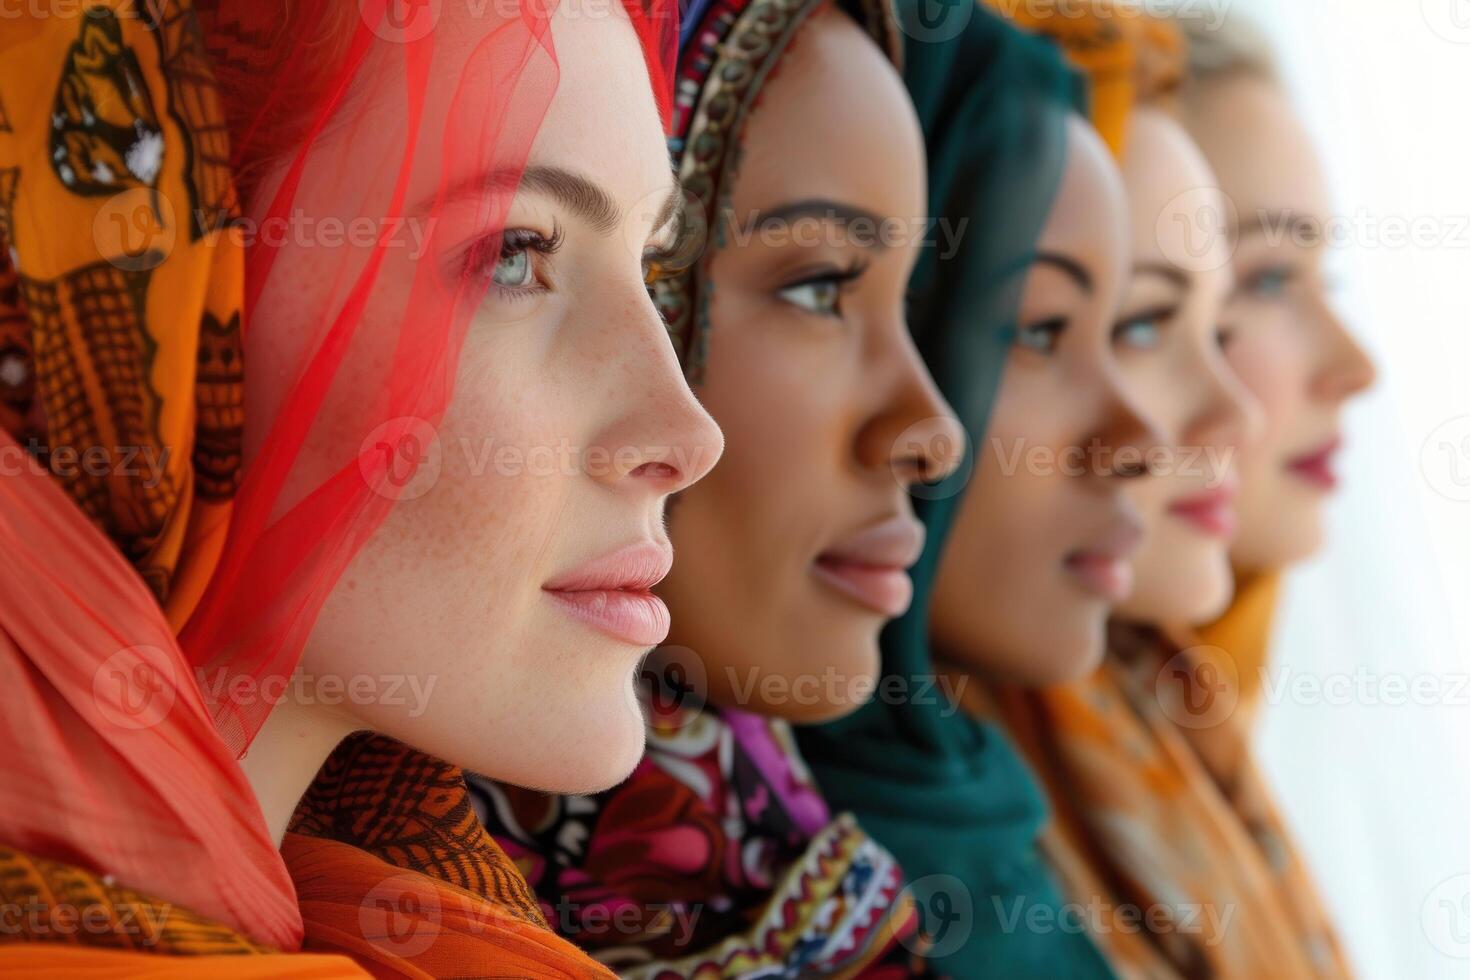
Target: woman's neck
x,y
286,755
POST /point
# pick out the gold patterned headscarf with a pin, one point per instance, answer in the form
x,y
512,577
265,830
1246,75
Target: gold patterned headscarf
x,y
120,354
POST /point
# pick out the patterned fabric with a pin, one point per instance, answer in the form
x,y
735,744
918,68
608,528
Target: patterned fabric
x,y
51,902
135,405
1161,807
393,867
717,858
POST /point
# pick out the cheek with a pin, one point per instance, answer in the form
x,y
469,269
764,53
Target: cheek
x,y
1273,368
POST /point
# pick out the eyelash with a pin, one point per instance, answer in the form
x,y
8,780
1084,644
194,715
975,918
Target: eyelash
x,y
1052,329
1159,316
841,278
484,256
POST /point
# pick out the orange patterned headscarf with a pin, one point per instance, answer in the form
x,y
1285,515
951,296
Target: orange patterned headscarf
x,y
120,354
1128,57
1164,829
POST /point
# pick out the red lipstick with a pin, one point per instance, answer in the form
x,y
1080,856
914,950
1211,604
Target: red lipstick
x,y
613,594
1316,467
1211,512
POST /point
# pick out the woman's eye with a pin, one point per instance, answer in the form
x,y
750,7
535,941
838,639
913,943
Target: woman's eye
x,y
513,270
1137,334
1042,337
819,296
1271,283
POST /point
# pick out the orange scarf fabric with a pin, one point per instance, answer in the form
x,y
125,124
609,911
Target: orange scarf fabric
x,y
1161,812
1128,57
393,868
120,353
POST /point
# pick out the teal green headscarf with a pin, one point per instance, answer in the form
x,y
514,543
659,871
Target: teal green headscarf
x,y
949,796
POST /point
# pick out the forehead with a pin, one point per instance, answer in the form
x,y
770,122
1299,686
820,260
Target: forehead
x,y
1258,148
833,121
1088,218
1172,192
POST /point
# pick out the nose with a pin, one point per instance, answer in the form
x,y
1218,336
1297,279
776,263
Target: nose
x,y
1228,414
663,439
1126,437
1346,367
912,431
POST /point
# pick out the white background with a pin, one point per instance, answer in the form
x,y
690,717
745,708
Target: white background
x,y
1378,791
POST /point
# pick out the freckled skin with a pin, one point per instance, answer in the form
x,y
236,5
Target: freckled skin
x,y
449,589
1287,345
812,406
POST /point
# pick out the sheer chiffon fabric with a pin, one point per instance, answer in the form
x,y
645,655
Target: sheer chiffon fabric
x,y
146,633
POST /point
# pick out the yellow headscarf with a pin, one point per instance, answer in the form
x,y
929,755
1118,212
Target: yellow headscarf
x,y
1164,829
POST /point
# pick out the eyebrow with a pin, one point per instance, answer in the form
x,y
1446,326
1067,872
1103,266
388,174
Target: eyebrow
x,y
1164,271
1278,222
1070,266
579,194
823,209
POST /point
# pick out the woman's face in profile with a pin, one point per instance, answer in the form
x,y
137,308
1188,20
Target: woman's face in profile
x,y
1280,334
793,552
1168,343
1043,543
507,593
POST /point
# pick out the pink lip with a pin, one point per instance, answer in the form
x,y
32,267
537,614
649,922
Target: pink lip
x,y
1316,467
872,565
1105,568
613,594
1211,512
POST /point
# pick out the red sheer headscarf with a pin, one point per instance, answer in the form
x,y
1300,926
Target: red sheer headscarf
x,y
148,791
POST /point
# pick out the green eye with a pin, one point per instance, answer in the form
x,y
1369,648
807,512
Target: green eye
x,y
513,270
820,296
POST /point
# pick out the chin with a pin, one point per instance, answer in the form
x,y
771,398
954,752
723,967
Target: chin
x,y
1061,656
